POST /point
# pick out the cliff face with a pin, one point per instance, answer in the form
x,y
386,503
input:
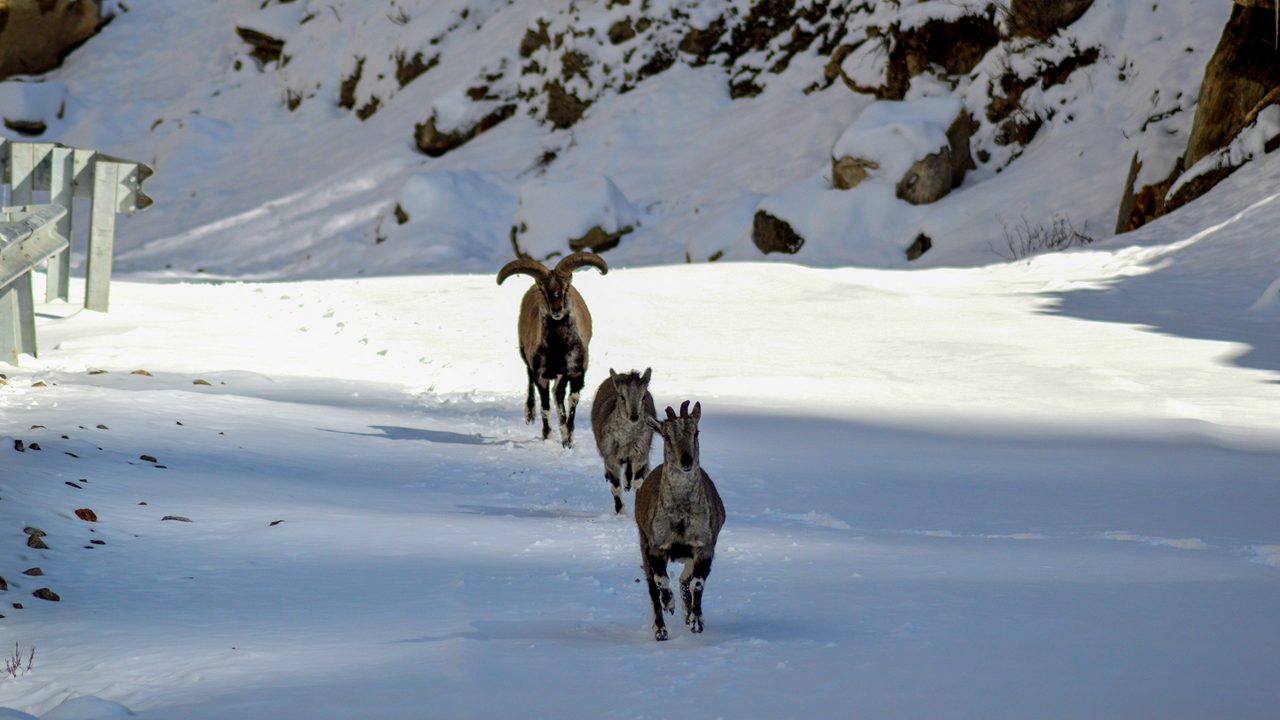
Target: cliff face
x,y
1240,82
36,34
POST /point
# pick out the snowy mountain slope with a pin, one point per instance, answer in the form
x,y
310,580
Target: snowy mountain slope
x,y
248,188
932,482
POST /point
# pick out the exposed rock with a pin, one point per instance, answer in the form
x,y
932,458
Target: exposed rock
x,y
701,42
176,518
87,515
1146,204
563,107
772,234
953,46
921,245
847,172
1040,19
347,88
35,35
597,240
30,128
534,39
266,49
148,458
35,542
34,531
621,31
19,446
935,175
434,142
33,572
4,585
46,594
1243,69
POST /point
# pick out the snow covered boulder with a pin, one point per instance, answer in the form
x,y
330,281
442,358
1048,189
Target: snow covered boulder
x,y
454,219
29,108
455,120
557,217
35,34
1260,136
919,146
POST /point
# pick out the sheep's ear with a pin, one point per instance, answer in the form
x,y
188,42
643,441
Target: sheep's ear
x,y
648,372
653,423
613,375
697,410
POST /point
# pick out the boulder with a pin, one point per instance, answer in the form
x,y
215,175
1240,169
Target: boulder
x,y
433,141
953,46
36,34
920,146
1040,19
1241,72
772,234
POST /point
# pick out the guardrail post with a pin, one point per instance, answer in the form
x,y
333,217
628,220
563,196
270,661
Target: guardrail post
x,y
61,189
9,324
102,228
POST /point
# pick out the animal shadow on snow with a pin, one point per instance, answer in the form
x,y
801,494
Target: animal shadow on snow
x,y
394,432
529,512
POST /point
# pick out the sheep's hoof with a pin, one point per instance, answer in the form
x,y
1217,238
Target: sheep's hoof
x,y
567,443
696,625
660,634
617,506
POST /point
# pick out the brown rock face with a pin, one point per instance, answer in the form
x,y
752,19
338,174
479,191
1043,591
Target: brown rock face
x,y
956,46
847,172
1040,19
36,34
933,176
772,234
1244,68
597,240
434,142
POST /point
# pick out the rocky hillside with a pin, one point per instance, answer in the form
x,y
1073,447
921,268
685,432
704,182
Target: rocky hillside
x,y
464,131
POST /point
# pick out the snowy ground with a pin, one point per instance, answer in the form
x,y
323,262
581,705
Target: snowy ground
x,y
943,500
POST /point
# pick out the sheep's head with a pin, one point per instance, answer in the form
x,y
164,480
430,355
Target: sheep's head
x,y
632,387
554,284
680,438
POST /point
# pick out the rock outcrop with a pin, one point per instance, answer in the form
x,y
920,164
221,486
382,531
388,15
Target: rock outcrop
x,y
36,34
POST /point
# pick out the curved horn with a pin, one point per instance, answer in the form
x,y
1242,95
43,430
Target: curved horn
x,y
527,266
573,261
671,414
684,409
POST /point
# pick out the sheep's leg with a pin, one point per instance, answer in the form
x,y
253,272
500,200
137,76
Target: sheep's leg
x,y
566,430
626,468
655,571
575,392
544,395
528,403
692,582
614,486
640,474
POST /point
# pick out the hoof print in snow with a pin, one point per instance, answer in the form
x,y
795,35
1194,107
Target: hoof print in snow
x,y
200,381
772,234
33,572
140,371
148,458
68,452
274,523
68,482
177,518
87,515
17,606
46,594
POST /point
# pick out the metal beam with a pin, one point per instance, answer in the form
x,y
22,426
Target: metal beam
x,y
102,228
61,190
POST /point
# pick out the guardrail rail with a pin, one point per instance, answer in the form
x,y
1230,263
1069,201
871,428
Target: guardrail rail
x,y
112,185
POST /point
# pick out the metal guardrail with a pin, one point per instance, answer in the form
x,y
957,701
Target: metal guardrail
x,y
28,237
111,184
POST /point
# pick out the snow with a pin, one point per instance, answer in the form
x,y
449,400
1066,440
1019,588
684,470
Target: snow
x,y
31,101
970,489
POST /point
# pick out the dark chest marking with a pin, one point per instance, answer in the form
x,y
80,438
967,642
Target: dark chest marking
x,y
565,354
